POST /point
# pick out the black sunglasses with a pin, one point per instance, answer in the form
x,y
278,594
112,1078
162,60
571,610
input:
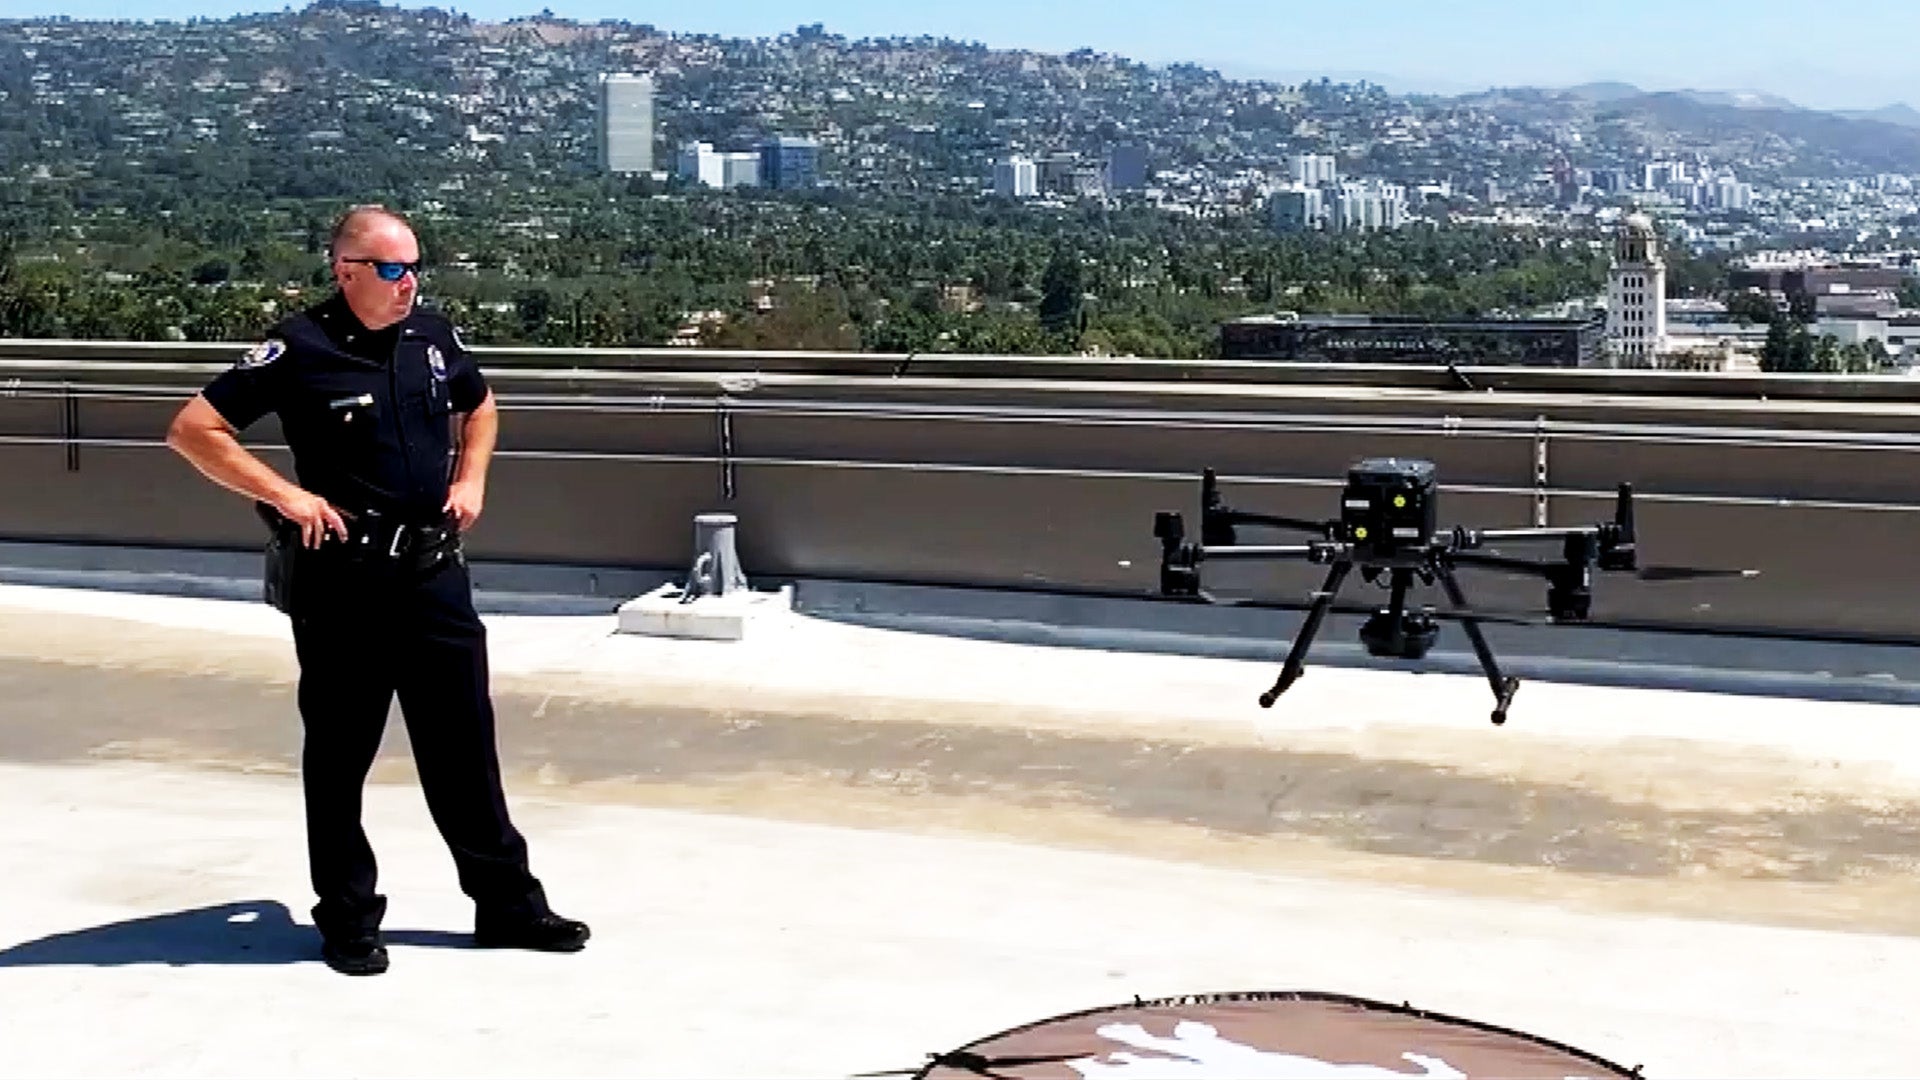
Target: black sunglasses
x,y
389,271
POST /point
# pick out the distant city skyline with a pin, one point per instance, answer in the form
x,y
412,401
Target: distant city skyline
x,y
1791,51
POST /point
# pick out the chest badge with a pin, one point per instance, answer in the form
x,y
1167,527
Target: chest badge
x,y
437,362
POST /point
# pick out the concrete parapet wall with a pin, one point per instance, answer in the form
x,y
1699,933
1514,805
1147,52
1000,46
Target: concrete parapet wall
x,y
1044,474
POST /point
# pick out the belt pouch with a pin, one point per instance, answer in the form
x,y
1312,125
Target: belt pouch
x,y
282,554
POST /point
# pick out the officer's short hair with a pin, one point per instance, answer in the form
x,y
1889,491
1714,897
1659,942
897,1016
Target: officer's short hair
x,y
351,223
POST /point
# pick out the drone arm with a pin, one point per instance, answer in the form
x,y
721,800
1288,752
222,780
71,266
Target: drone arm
x,y
1614,546
1224,516
1255,551
1475,537
1217,519
1180,558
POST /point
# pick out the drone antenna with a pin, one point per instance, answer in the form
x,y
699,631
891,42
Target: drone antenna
x,y
1216,519
1618,550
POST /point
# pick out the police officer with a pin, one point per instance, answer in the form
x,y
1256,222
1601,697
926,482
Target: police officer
x,y
391,426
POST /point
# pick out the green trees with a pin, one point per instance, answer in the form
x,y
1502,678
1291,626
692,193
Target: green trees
x,y
1750,306
1062,289
590,261
1792,346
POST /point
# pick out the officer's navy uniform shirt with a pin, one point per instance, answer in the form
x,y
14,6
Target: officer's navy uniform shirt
x,y
367,414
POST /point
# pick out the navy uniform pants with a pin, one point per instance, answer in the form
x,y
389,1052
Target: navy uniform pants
x,y
367,630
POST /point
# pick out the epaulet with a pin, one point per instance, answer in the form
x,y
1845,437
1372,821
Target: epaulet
x,y
432,318
428,314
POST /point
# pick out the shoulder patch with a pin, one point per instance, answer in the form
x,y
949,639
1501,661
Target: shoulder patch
x,y
263,354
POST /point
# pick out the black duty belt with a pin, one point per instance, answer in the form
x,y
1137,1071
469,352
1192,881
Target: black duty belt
x,y
369,536
371,540
372,535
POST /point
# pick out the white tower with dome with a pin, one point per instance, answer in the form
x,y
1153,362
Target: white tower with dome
x,y
1637,295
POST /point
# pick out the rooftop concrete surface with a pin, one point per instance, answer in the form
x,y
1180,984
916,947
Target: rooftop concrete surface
x,y
734,947
830,849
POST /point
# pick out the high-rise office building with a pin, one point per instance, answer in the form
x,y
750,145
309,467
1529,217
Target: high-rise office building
x,y
1315,170
1365,206
1056,172
1296,209
626,123
1127,167
701,163
698,162
1729,193
739,168
1015,178
788,163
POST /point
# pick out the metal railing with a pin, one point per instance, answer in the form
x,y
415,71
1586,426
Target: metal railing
x,y
1499,379
972,478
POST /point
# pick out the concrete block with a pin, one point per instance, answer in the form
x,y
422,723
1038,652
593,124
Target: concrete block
x,y
665,612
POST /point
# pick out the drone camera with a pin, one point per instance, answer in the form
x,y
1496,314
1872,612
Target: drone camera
x,y
1388,505
1405,635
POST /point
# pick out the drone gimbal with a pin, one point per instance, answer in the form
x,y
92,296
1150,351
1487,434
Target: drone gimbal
x,y
1387,526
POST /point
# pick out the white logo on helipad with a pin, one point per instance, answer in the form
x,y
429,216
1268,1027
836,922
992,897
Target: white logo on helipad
x,y
1199,1051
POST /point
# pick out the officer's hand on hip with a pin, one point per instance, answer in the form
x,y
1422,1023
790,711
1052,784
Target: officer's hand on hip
x,y
315,516
464,498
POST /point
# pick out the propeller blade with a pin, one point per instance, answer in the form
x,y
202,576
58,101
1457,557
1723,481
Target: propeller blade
x,y
1690,573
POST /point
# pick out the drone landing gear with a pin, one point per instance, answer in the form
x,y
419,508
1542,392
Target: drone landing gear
x,y
1395,632
1503,685
1317,614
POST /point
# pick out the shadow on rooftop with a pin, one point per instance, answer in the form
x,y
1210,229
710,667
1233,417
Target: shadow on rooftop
x,y
243,932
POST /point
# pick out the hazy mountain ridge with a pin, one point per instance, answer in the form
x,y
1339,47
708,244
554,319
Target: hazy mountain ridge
x,y
1897,113
1750,130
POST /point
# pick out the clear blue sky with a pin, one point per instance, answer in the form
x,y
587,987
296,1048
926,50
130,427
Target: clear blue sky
x,y
1825,56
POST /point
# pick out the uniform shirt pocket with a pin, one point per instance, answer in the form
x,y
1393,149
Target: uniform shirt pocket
x,y
351,416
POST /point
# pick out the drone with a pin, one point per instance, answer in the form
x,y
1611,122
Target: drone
x,y
1387,527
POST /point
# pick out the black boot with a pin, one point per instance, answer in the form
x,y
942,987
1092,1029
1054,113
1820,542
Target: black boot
x,y
355,954
543,933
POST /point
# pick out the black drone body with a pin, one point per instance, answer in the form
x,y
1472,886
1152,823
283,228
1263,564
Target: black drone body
x,y
1387,526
